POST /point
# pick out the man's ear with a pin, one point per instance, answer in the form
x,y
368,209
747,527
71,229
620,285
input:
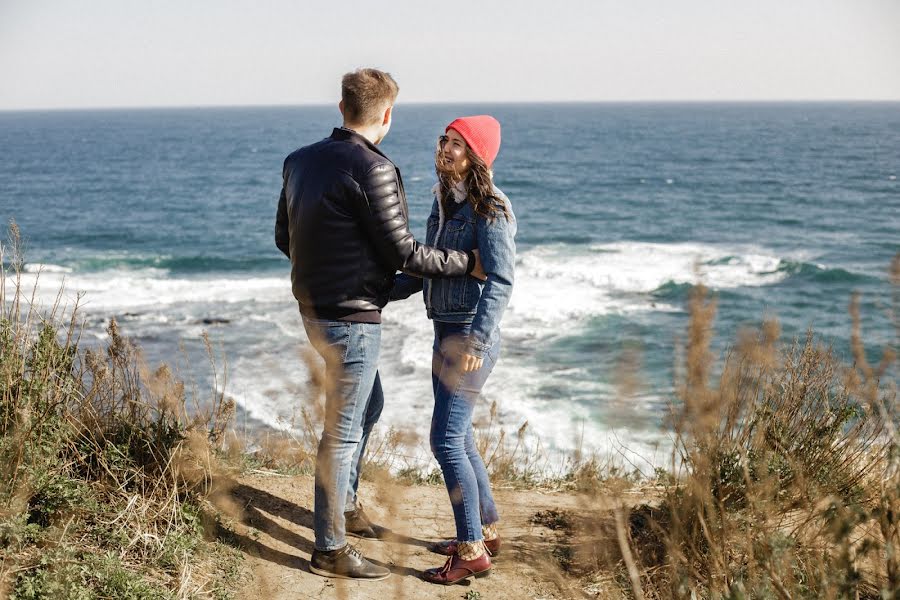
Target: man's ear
x,y
387,115
341,107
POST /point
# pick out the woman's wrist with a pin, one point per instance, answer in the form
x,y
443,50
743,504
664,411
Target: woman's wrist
x,y
470,266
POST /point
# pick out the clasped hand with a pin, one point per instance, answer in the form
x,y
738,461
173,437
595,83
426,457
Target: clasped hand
x,y
468,362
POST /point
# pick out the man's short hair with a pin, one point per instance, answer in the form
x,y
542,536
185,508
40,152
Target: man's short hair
x,y
366,94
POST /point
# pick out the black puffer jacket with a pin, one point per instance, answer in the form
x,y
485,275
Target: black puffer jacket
x,y
343,221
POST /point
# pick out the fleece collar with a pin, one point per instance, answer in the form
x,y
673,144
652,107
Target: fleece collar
x,y
459,191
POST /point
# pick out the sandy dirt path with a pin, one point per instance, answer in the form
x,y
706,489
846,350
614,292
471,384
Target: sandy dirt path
x,y
275,534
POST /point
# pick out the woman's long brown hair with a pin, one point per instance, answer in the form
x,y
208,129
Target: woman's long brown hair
x,y
479,185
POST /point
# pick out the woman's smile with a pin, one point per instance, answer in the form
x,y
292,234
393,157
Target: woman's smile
x,y
453,148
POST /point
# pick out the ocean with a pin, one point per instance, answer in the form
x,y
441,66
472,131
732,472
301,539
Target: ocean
x,y
163,219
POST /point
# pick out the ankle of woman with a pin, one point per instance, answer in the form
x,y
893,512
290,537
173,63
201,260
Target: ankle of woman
x,y
489,532
471,550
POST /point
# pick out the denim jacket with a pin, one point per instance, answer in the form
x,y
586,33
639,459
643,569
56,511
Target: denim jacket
x,y
467,299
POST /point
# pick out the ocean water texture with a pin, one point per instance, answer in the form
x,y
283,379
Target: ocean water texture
x,y
164,219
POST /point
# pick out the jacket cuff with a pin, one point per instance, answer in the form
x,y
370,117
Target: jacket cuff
x,y
470,266
476,348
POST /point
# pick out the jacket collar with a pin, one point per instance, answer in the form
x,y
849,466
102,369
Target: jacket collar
x,y
459,191
348,135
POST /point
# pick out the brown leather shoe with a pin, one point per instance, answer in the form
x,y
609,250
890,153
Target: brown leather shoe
x,y
457,569
358,524
345,563
449,547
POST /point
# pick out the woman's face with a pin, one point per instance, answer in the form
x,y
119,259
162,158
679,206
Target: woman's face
x,y
453,153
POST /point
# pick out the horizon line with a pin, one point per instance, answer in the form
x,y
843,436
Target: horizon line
x,y
456,103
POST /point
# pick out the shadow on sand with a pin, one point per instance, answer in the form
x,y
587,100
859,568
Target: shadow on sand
x,y
256,510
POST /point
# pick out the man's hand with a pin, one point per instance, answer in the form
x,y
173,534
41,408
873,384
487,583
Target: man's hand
x,y
470,363
478,271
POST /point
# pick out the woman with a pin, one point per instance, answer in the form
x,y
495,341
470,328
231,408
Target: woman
x,y
469,213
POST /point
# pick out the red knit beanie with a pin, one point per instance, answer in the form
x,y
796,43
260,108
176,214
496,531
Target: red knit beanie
x,y
482,134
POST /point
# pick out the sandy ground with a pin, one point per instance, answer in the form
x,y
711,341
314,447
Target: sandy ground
x,y
275,533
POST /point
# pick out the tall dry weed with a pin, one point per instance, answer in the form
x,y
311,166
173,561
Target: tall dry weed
x,y
786,472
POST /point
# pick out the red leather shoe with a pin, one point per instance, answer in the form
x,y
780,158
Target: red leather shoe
x,y
449,547
457,569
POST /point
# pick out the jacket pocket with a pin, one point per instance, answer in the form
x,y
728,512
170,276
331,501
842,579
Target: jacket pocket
x,y
459,223
460,233
469,293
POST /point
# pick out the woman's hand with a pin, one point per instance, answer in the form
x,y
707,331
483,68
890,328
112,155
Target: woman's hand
x,y
469,362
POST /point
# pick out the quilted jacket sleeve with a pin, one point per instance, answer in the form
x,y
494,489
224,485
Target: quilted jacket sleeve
x,y
384,218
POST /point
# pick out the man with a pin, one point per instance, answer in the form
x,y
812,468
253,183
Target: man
x,y
343,221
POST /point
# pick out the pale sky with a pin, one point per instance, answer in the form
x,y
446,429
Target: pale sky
x,y
122,53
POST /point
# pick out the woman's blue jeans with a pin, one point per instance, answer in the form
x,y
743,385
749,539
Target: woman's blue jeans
x,y
452,435
353,403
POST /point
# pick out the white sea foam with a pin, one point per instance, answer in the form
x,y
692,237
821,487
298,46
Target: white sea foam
x,y
561,284
45,268
639,267
272,387
143,288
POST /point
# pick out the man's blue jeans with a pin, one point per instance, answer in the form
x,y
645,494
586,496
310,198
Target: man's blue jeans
x,y
452,435
353,403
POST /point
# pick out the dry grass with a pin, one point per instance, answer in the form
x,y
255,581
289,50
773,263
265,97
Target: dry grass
x,y
787,482
103,463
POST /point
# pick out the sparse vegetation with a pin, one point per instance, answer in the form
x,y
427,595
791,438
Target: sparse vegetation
x,y
104,470
555,520
784,480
